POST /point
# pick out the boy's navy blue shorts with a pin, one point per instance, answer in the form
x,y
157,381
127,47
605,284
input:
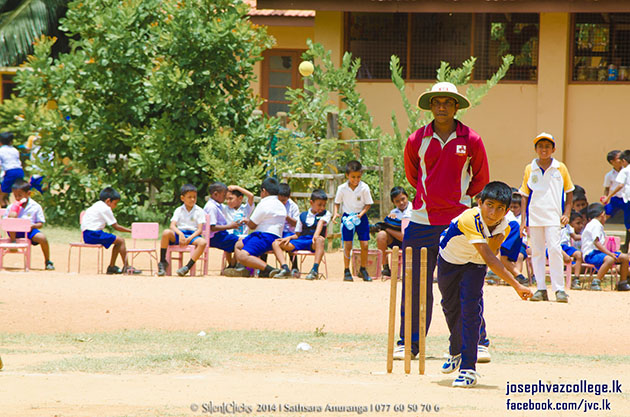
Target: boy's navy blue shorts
x,y
362,229
596,258
569,250
616,204
258,243
98,237
303,243
186,233
512,244
224,241
29,235
9,178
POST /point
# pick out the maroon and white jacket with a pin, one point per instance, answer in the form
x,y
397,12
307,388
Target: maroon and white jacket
x,y
445,175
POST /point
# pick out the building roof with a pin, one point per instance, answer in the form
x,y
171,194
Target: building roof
x,y
278,12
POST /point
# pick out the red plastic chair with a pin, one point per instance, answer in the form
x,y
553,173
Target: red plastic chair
x,y
22,245
81,245
144,231
180,250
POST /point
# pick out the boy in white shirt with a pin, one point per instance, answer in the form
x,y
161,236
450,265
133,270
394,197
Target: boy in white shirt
x,y
545,184
293,212
355,199
11,164
267,222
593,241
27,208
186,229
617,193
95,219
389,231
235,210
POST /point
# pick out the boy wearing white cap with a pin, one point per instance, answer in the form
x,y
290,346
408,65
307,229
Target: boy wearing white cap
x,y
547,193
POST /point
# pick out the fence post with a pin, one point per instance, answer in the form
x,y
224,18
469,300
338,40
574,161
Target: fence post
x,y
283,118
332,125
387,184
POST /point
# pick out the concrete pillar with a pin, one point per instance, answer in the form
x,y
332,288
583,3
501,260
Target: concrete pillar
x,y
329,32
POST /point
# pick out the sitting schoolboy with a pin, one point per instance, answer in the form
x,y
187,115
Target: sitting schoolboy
x,y
389,230
11,164
310,233
569,252
293,212
469,244
596,253
95,218
267,222
220,238
236,210
25,207
186,229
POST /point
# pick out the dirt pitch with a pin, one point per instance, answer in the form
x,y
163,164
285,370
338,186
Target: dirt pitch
x,y
586,339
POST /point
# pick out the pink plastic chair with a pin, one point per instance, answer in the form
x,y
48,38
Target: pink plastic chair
x,y
144,231
22,245
176,249
82,245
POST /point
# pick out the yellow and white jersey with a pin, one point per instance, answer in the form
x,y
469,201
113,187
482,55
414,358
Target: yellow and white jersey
x,y
546,191
456,242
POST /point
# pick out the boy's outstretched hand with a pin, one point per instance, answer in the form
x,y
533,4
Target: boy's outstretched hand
x,y
523,292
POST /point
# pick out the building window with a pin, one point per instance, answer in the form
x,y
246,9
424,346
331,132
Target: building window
x,y
279,72
601,48
425,39
7,86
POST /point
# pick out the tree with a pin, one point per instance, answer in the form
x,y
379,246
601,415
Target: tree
x,y
145,99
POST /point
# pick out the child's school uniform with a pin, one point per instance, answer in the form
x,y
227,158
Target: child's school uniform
x,y
306,226
461,275
618,201
513,243
397,221
352,202
594,230
12,166
95,218
236,215
221,239
34,212
188,221
565,240
293,211
546,191
269,216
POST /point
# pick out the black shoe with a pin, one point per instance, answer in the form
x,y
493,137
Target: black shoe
x,y
575,284
183,270
162,269
522,280
595,285
50,266
364,274
540,295
623,286
111,270
347,276
386,272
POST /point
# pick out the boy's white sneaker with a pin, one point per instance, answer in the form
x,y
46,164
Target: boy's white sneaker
x,y
452,364
399,353
467,378
483,354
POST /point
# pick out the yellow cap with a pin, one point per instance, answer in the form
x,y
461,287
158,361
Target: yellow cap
x,y
545,136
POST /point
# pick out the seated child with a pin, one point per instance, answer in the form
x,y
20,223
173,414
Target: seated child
x,y
389,231
579,200
27,208
220,238
466,247
186,229
570,253
293,212
11,164
95,218
236,210
593,240
267,222
310,232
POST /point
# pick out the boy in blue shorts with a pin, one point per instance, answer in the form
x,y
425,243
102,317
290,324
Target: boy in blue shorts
x,y
95,218
310,232
293,212
389,230
570,253
26,208
220,238
185,229
469,244
11,164
267,222
355,200
593,241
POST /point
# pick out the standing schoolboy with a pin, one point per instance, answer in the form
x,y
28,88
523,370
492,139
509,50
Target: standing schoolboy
x,y
236,210
595,252
466,247
618,195
355,200
267,222
27,208
390,233
293,212
220,238
616,202
11,164
310,232
545,184
186,229
95,218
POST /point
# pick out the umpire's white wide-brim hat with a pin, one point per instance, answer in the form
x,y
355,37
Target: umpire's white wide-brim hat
x,y
443,89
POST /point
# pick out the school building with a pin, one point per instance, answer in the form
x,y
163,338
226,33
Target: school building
x,y
570,77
